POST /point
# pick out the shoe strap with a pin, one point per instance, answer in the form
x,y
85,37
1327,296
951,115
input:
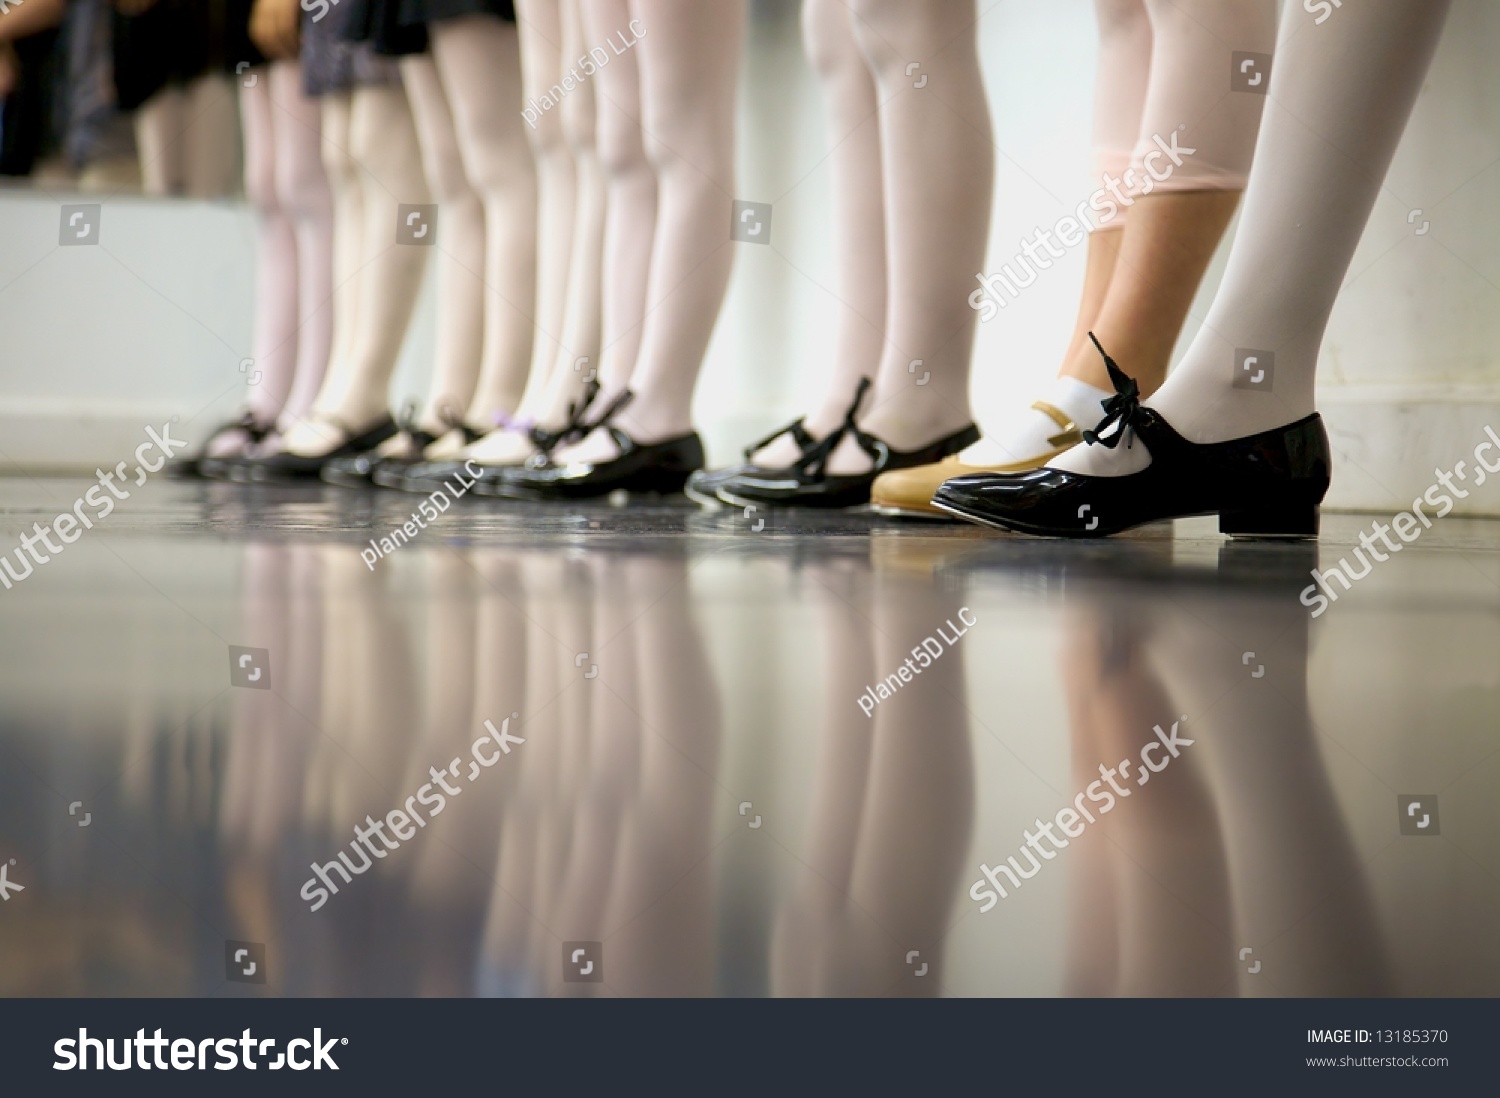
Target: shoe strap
x,y
798,432
814,459
254,430
607,413
546,439
1070,435
1121,411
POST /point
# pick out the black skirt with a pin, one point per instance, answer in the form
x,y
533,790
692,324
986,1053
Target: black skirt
x,y
176,41
431,11
379,23
331,62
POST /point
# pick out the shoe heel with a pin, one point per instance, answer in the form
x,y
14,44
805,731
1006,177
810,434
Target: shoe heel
x,y
1275,520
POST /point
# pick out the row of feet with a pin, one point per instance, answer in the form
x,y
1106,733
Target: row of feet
x,y
1264,485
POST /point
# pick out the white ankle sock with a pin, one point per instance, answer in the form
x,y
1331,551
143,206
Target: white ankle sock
x,y
1024,433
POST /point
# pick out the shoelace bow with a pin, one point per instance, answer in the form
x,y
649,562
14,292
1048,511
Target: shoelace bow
x,y
1121,411
813,461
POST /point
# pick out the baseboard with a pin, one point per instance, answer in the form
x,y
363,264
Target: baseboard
x,y
1390,440
60,437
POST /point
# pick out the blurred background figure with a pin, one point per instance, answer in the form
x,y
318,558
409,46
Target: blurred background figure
x,y
174,61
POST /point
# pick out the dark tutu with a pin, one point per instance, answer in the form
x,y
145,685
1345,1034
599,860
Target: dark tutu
x,y
331,61
176,41
431,11
379,23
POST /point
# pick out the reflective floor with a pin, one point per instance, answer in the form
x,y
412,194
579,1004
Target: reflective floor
x,y
646,749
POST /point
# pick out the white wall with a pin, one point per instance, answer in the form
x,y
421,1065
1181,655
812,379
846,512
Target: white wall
x,y
96,342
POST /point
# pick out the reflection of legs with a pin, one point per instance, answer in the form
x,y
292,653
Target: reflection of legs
x,y
1297,876
478,60
1339,98
813,937
919,803
261,791
476,673
630,209
520,948
459,254
606,760
660,905
937,168
1171,895
853,134
369,697
689,65
1093,950
383,145
303,192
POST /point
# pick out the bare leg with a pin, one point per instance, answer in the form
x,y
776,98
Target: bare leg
x,y
578,353
936,217
478,61
851,110
387,161
1339,98
630,209
276,288
303,192
459,254
689,61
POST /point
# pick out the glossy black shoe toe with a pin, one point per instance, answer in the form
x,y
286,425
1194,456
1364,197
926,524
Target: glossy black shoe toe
x,y
661,467
362,470
188,467
703,486
285,465
1264,485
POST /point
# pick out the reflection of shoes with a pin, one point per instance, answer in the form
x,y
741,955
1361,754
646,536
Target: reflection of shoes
x,y
246,426
285,465
909,491
806,483
662,467
1264,485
